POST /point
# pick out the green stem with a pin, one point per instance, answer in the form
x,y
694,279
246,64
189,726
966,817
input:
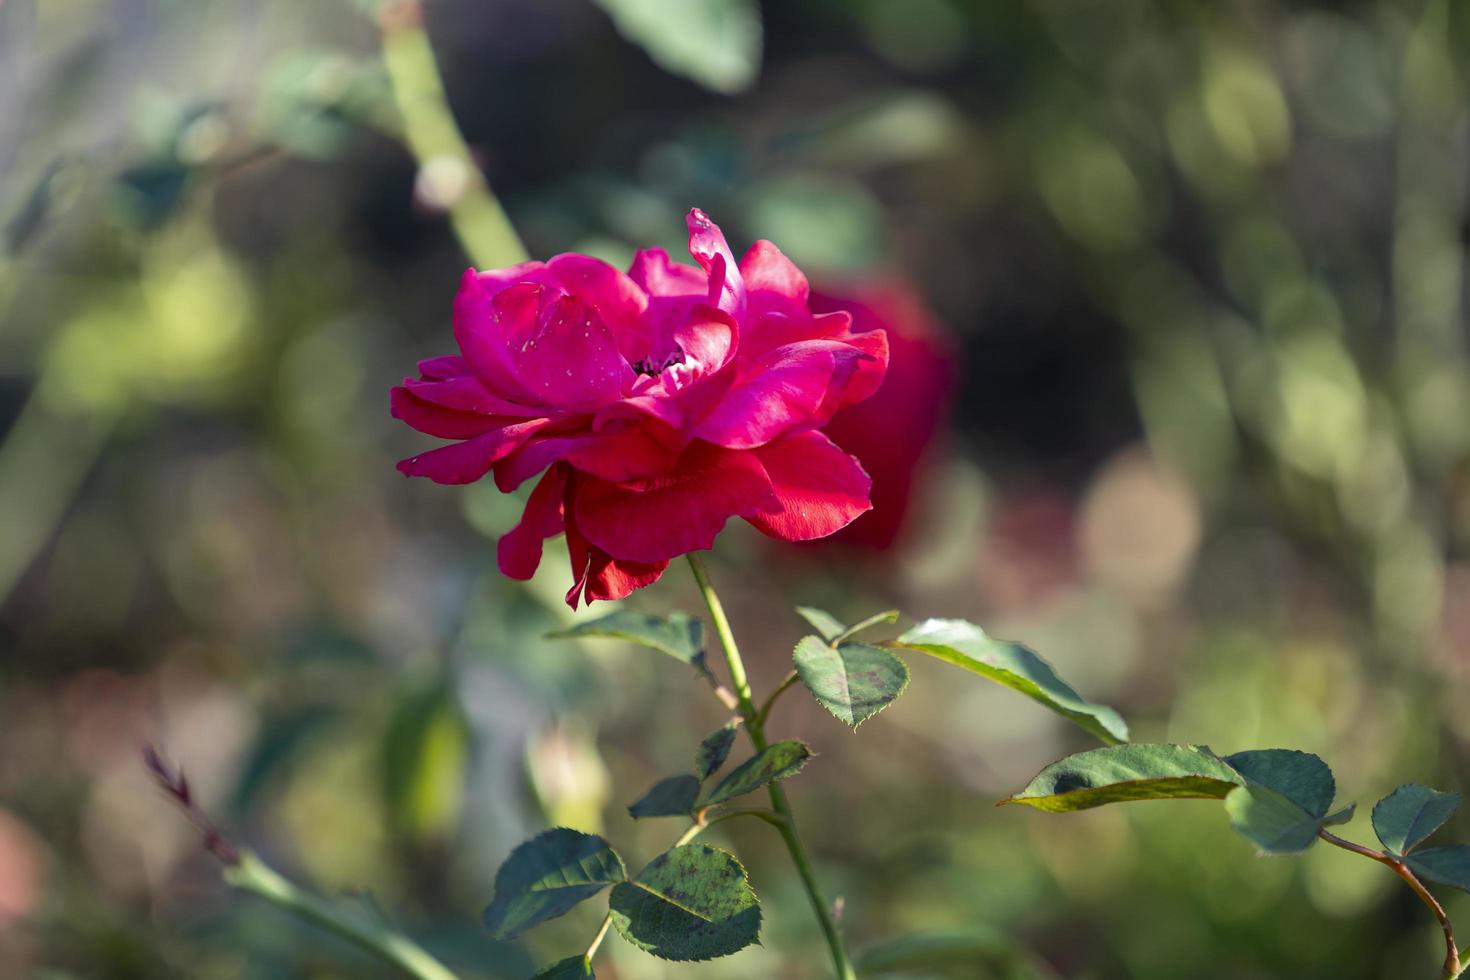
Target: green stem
x,y
877,619
597,939
253,875
779,803
769,816
431,134
1453,966
700,824
765,710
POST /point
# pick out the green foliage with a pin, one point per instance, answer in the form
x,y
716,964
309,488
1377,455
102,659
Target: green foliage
x,y
571,968
834,631
777,761
853,681
546,876
966,645
1278,798
925,954
1126,773
1301,776
1271,820
1284,801
1405,818
679,635
714,750
147,195
883,618
690,903
716,43
424,753
281,738
1446,865
828,625
671,797
314,102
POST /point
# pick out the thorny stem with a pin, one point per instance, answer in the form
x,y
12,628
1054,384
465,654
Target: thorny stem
x,y
753,725
1452,965
247,872
434,138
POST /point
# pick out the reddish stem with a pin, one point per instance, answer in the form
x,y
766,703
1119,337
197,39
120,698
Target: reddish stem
x,y
1452,952
172,782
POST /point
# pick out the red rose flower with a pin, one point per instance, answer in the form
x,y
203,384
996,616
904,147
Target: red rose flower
x,y
890,432
659,403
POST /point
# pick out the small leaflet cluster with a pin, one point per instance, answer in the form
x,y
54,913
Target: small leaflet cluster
x,y
695,902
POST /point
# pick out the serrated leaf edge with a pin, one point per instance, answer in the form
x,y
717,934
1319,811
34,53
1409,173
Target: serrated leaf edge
x,y
760,910
622,869
903,686
810,755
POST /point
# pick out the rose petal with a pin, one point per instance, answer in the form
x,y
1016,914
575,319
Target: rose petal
x,y
619,301
466,462
495,280
794,386
623,456
707,338
600,575
490,319
821,488
467,393
519,549
864,377
679,512
764,331
579,552
619,456
572,360
609,578
891,432
443,367
772,281
435,420
708,246
661,276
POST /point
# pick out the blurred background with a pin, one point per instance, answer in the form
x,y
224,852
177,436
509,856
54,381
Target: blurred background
x,y
1180,399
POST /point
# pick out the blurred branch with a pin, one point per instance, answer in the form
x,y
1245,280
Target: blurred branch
x,y
253,875
247,872
448,173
